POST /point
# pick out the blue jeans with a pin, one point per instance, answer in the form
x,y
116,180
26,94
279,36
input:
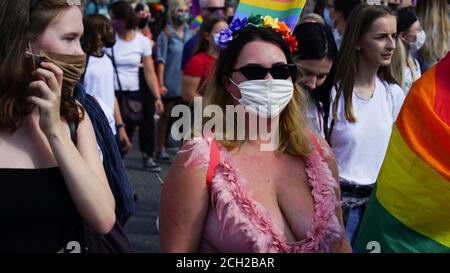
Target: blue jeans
x,y
353,209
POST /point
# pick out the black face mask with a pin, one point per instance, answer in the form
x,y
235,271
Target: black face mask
x,y
230,19
109,41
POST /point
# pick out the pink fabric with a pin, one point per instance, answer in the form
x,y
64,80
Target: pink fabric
x,y
236,223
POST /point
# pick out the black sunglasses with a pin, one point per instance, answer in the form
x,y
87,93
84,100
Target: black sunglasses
x,y
258,72
213,9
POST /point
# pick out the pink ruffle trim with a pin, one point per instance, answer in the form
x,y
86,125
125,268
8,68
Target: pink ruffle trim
x,y
232,202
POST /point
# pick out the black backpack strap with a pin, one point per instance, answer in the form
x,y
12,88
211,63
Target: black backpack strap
x,y
73,126
328,133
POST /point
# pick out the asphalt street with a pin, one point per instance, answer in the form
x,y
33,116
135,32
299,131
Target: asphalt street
x,y
141,228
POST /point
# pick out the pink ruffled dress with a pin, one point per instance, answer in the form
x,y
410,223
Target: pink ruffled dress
x,y
236,223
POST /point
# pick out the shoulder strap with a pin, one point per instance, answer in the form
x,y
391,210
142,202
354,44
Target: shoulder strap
x,y
214,159
328,132
73,126
115,68
317,144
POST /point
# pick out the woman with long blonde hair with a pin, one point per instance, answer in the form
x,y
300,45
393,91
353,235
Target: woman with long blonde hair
x,y
231,195
365,102
433,16
411,38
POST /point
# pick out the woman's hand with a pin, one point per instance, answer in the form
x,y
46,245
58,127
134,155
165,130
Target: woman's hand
x,y
163,90
159,106
46,94
125,142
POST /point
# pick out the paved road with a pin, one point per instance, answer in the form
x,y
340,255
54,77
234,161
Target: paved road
x,y
141,228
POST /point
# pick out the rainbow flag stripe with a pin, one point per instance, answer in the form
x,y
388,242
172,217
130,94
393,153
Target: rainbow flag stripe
x,y
286,10
197,23
410,209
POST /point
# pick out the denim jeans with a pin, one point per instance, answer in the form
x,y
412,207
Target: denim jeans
x,y
353,209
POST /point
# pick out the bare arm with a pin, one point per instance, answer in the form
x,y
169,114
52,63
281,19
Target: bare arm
x,y
190,87
183,207
117,115
121,132
85,177
150,76
152,82
160,71
81,168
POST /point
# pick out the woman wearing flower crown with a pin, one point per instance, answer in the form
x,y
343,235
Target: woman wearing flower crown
x,y
230,195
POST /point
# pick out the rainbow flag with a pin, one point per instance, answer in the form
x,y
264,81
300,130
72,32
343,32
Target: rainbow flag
x,y
286,10
196,23
410,209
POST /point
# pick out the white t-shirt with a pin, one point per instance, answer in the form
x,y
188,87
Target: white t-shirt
x,y
109,113
128,56
99,83
360,147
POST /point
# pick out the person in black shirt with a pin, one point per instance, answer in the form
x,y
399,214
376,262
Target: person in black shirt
x,y
47,181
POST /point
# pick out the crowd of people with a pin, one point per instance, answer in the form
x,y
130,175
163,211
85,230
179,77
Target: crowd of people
x,y
87,77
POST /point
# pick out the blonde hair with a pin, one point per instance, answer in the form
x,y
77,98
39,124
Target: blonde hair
x,y
294,130
434,19
401,59
312,17
175,4
360,20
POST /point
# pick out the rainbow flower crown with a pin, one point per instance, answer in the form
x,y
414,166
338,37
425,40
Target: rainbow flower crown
x,y
257,21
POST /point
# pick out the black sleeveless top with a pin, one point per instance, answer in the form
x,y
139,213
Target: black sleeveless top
x,y
37,213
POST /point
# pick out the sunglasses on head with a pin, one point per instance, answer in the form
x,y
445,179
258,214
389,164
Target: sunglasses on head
x,y
258,72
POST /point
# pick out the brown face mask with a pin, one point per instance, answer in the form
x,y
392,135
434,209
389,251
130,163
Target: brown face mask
x,y
72,66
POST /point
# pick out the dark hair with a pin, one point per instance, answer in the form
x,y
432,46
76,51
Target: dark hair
x,y
159,20
206,27
122,10
315,42
20,25
97,28
320,6
405,18
345,6
142,22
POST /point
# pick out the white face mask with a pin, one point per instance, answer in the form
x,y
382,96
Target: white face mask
x,y
216,39
420,41
265,98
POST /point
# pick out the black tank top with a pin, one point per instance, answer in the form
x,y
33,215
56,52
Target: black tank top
x,y
37,213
